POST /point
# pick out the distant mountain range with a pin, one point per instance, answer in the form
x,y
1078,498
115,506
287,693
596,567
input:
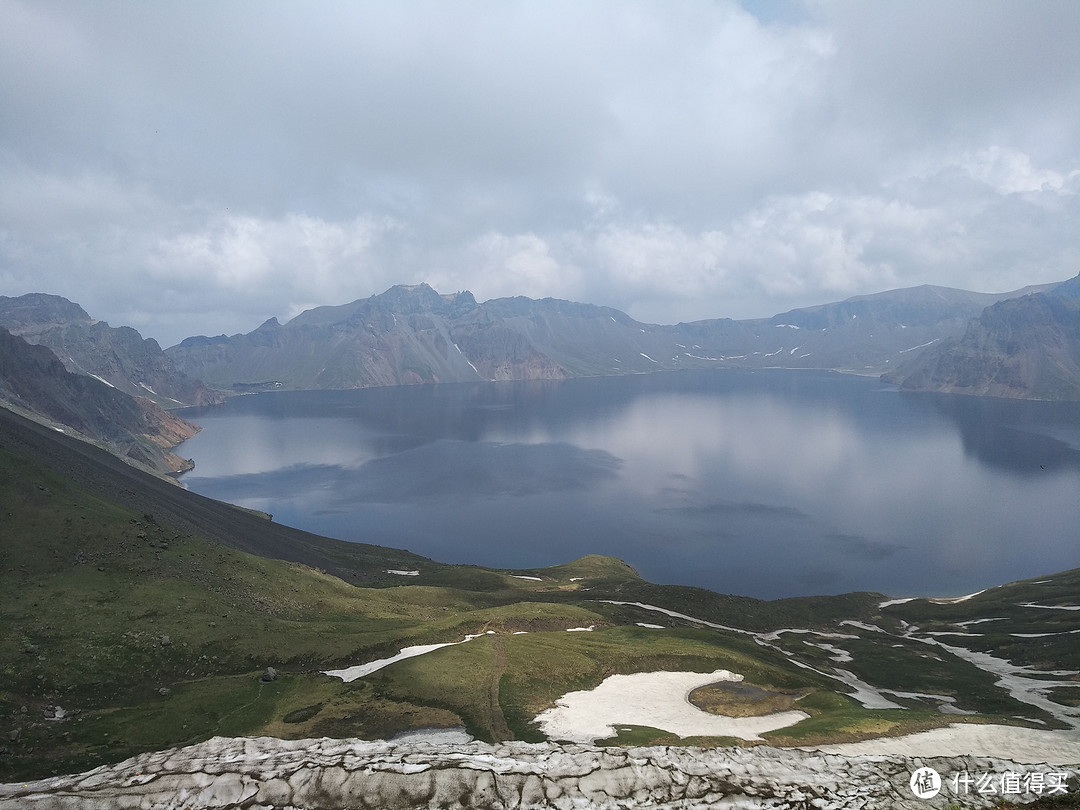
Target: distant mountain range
x,y
82,373
412,334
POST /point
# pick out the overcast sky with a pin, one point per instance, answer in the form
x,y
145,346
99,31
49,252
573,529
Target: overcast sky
x,y
197,167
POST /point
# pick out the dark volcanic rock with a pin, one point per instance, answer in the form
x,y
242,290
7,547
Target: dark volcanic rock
x,y
1026,347
118,355
31,377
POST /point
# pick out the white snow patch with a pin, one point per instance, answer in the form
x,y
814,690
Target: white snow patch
x,y
869,696
1021,683
655,699
647,356
788,325
775,634
675,615
860,625
920,346
350,674
952,633
953,599
835,653
403,573
519,576
434,736
897,602
102,379
588,629
1027,745
651,626
1050,607
979,621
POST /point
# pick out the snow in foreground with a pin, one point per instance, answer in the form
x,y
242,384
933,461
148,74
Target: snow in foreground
x,y
655,699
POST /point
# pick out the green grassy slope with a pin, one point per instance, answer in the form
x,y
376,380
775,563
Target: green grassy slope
x,y
135,615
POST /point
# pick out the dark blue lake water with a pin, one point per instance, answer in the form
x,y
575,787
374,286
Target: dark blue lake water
x,y
764,483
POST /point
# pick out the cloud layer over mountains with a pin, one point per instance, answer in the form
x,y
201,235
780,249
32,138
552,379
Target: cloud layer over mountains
x,y
187,168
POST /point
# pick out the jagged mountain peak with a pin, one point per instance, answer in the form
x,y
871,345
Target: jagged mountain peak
x,y
401,299
1023,347
413,334
34,313
118,356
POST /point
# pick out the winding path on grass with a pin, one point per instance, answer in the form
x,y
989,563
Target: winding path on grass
x,y
499,728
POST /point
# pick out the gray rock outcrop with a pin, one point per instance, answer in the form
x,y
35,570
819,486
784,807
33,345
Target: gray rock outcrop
x,y
263,773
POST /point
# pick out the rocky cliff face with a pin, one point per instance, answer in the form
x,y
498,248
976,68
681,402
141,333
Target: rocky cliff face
x,y
32,378
266,773
411,334
118,355
400,337
1027,347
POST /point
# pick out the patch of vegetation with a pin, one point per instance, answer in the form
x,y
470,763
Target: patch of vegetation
x,y
302,714
837,718
627,736
742,699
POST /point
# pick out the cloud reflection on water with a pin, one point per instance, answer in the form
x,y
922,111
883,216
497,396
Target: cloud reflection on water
x,y
763,484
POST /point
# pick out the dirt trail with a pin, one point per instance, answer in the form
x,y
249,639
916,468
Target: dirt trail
x,y
500,730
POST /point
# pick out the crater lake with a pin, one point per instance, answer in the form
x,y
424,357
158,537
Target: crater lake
x,y
767,483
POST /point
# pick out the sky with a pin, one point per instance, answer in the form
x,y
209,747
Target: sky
x,y
198,167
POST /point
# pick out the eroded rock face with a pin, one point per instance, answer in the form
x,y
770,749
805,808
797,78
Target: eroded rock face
x,y
323,774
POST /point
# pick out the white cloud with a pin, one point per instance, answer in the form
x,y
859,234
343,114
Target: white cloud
x,y
199,168
1009,171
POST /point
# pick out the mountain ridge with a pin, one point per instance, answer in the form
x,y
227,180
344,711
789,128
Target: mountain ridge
x,y
134,428
119,356
1024,347
411,334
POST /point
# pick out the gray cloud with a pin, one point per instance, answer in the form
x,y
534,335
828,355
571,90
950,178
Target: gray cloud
x,y
198,167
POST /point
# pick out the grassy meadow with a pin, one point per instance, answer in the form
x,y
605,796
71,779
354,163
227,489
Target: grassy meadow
x,y
121,631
